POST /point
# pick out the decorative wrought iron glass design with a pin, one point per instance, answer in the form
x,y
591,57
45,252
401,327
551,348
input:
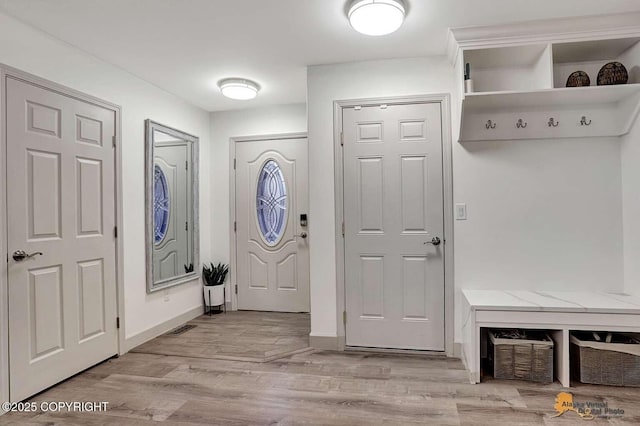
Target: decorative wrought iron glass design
x,y
161,205
271,202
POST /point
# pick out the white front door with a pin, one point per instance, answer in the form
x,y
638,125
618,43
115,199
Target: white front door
x,y
60,212
393,210
271,239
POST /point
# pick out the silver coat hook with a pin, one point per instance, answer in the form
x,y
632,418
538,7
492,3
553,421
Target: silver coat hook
x,y
520,124
553,122
583,122
490,125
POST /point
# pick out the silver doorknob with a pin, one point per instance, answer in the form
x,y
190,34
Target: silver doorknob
x,y
20,255
301,235
435,241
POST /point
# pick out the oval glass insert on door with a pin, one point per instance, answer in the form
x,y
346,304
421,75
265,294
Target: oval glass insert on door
x,y
161,204
271,203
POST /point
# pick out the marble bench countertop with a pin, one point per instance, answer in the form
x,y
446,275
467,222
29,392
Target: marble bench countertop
x,y
552,301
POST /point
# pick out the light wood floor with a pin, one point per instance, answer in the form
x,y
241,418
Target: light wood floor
x,y
237,336
308,387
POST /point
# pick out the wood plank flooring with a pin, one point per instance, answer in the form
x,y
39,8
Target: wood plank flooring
x,y
237,336
312,387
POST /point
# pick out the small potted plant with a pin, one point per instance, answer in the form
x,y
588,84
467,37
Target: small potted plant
x,y
213,280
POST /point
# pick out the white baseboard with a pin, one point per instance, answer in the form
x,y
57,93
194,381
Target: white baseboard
x,y
463,358
331,343
155,331
337,343
457,350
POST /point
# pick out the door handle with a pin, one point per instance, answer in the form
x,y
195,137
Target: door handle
x,y
435,241
301,235
20,255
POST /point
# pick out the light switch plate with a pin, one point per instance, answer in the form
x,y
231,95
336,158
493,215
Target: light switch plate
x,y
461,211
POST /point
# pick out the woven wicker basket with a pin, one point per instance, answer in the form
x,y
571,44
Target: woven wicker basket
x,y
519,359
601,363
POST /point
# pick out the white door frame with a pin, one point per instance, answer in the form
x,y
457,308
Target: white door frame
x,y
447,171
5,72
233,254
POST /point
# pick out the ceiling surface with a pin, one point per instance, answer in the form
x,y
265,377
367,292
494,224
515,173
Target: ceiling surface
x,y
186,46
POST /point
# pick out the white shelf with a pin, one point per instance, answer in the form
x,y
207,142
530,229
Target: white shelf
x,y
507,57
548,98
527,83
527,67
591,56
610,110
595,50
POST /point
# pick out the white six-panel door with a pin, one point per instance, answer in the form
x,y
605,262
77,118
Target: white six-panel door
x,y
393,210
272,258
60,203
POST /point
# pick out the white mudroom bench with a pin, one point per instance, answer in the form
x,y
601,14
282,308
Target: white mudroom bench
x,y
558,312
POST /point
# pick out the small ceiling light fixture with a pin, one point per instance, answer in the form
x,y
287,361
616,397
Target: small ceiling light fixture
x,y
376,17
239,88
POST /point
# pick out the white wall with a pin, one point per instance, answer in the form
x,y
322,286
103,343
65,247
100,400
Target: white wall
x,y
225,125
542,215
631,209
326,84
630,155
30,50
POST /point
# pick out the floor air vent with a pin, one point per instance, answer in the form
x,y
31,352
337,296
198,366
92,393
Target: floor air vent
x,y
181,329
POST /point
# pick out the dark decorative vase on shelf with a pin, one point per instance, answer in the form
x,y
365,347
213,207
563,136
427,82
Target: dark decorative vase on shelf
x,y
613,73
578,79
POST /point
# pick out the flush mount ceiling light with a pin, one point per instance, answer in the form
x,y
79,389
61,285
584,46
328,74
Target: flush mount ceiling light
x,y
239,88
376,17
